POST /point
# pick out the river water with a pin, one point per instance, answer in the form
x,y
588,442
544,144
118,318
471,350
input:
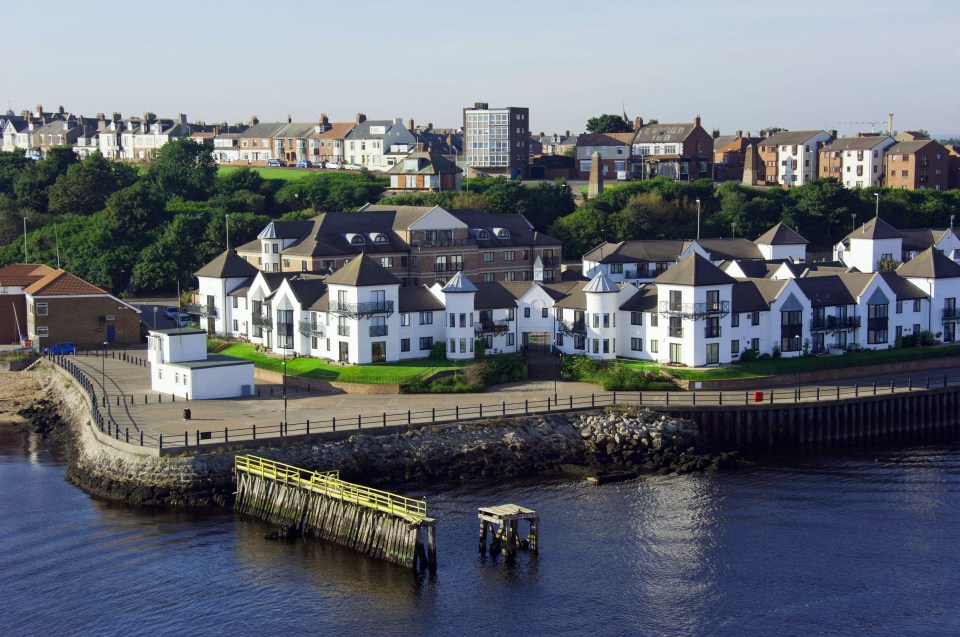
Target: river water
x,y
862,542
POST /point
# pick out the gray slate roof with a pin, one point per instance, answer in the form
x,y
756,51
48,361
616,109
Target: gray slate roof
x,y
362,271
874,229
417,299
601,284
227,265
459,284
930,264
694,270
790,138
780,235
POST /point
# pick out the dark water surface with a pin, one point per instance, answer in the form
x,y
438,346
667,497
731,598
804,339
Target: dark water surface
x,y
820,543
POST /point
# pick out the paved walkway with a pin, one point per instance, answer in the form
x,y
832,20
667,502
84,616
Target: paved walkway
x,y
132,405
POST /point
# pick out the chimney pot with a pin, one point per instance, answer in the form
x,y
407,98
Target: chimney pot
x,y
410,126
361,118
637,123
696,120
739,133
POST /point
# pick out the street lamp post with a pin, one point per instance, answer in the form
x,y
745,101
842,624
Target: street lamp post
x,y
123,332
155,308
877,195
853,222
284,385
698,219
103,372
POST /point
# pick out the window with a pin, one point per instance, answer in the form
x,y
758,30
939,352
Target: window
x,y
636,318
386,262
654,319
303,266
526,312
488,257
711,327
596,346
606,346
41,308
654,346
734,320
616,268
266,247
511,314
510,255
463,319
543,312
916,305
286,263
276,248
404,344
755,344
489,277
426,342
713,300
676,300
734,347
713,354
463,345
636,344
510,339
43,330
755,319
899,307
426,318
404,319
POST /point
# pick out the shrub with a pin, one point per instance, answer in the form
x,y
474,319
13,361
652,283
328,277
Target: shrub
x,y
776,353
479,349
439,351
763,357
748,356
927,338
910,340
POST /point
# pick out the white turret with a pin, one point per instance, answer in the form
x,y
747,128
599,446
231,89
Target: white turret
x,y
458,298
601,317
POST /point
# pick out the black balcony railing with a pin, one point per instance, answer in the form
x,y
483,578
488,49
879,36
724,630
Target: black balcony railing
x,y
675,332
491,327
950,314
550,262
309,328
357,310
204,311
572,327
442,243
834,323
711,331
378,330
262,321
447,267
695,310
284,329
343,330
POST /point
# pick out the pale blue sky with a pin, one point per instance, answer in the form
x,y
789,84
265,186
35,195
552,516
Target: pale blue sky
x,y
741,64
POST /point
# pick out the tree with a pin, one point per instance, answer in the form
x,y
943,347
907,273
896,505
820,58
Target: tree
x,y
608,124
887,264
84,188
184,169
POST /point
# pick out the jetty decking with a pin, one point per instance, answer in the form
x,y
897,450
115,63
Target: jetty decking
x,y
378,523
502,521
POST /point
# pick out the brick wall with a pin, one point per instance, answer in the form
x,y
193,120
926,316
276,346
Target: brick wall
x,y
78,320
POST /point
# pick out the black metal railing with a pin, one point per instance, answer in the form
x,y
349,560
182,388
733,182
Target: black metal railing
x,y
828,323
343,330
284,329
572,327
711,331
950,314
378,330
310,328
356,310
263,321
491,327
204,311
695,310
675,332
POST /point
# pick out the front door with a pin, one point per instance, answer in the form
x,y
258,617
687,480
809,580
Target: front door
x,y
676,352
111,333
713,353
378,351
344,352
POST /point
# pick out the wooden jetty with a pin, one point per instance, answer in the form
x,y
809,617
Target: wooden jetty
x,y
380,524
502,522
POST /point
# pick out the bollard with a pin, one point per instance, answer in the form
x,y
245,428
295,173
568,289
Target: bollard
x,y
892,386
640,398
668,398
772,392
334,420
308,426
433,414
593,402
874,388
694,395
456,411
254,432
481,410
856,390
614,397
126,432
818,394
141,438
159,398
910,383
359,421
186,439
161,441
118,401
504,405
838,392
198,437
526,406
226,435
548,403
384,419
571,401
409,417
720,398
174,396
281,429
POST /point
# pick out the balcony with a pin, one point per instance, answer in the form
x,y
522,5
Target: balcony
x,y
442,243
448,267
343,330
491,327
572,327
950,314
550,262
204,311
262,321
378,330
834,323
695,311
284,329
675,332
358,310
309,328
711,331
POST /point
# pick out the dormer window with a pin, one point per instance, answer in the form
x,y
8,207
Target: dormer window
x,y
379,238
502,233
355,239
483,234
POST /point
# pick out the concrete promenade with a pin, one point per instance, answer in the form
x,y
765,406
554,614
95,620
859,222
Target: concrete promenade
x,y
133,406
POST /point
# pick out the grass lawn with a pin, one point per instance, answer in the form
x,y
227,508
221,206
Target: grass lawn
x,y
782,366
286,174
317,369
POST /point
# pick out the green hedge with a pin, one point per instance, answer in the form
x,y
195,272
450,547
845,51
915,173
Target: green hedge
x,y
473,378
614,376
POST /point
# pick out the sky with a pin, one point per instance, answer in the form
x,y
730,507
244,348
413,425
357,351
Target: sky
x,y
739,64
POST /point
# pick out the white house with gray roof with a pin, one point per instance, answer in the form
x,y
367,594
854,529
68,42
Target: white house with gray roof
x,y
368,143
797,155
856,162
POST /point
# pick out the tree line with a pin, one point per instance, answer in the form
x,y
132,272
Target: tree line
x,y
145,228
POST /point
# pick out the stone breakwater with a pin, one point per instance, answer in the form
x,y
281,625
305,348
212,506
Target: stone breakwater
x,y
624,442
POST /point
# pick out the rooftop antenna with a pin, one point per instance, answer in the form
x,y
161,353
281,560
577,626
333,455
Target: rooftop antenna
x,y
57,239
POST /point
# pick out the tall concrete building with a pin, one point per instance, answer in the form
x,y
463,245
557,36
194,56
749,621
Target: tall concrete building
x,y
496,141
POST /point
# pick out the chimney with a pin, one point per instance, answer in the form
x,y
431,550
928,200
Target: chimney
x,y
833,133
637,123
116,117
567,134
39,111
740,134
254,120
410,125
429,125
101,117
60,110
696,120
323,119
289,119
715,133
361,118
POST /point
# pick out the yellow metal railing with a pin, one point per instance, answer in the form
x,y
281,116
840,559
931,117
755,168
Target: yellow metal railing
x,y
329,484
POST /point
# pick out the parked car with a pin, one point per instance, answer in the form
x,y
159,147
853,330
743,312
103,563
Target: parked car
x,y
171,311
353,167
61,348
304,164
182,319
276,162
332,165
